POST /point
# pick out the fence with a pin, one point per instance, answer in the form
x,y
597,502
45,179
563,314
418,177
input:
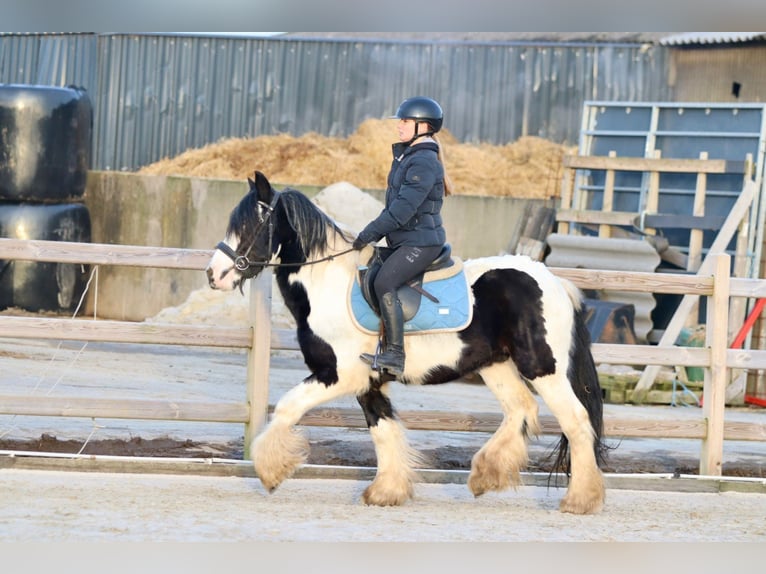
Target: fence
x,y
260,339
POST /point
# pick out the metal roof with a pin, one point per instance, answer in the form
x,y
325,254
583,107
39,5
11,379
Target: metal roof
x,y
688,38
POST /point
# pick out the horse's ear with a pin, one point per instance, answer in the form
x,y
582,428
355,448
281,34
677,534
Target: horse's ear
x,y
262,186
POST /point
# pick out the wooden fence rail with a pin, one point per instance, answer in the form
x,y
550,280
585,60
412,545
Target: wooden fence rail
x,y
260,339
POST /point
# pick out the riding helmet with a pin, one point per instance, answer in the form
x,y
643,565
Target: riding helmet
x,y
422,109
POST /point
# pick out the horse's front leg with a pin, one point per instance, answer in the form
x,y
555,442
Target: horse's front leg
x,y
281,448
394,480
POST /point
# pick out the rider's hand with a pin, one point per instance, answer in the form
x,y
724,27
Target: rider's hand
x,y
359,244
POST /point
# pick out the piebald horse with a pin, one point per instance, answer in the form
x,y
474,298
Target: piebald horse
x,y
527,331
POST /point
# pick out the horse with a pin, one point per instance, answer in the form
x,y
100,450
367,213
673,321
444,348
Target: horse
x,y
527,331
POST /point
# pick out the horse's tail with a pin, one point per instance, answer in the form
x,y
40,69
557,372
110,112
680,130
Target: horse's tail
x,y
584,380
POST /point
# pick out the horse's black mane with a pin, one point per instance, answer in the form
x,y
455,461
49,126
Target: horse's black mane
x,y
309,223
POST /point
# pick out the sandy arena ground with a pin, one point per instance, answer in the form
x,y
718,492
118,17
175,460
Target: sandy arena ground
x,y
67,506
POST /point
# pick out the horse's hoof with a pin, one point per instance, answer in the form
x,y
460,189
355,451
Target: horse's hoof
x,y
487,476
373,496
479,486
269,485
591,506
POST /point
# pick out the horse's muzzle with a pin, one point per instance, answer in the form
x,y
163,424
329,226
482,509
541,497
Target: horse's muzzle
x,y
210,278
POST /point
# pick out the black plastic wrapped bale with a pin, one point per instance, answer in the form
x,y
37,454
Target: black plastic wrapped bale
x,y
43,286
45,142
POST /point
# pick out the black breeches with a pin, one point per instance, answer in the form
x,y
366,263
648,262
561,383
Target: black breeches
x,y
402,265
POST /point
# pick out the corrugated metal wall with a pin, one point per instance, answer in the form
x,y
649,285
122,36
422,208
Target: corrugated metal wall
x,y
155,96
720,74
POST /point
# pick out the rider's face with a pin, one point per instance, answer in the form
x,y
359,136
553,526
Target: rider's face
x,y
406,129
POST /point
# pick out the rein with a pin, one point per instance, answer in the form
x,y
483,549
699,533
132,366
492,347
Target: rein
x,y
242,263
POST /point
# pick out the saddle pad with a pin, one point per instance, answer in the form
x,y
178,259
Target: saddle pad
x,y
453,312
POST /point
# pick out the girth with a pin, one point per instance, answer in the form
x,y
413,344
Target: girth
x,y
410,294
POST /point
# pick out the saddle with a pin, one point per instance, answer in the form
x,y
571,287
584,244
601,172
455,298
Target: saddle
x,y
437,299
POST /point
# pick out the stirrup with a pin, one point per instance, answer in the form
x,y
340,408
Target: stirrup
x,y
370,359
391,368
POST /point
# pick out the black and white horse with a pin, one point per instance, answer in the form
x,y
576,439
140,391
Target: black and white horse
x,y
527,328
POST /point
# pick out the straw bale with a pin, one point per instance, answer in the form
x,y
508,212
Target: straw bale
x,y
529,167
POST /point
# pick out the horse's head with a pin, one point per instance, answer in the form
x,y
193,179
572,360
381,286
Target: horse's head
x,y
248,246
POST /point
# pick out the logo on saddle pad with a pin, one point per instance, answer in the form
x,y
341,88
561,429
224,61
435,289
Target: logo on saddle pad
x,y
441,301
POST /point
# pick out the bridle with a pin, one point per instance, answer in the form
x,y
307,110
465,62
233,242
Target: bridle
x,y
242,263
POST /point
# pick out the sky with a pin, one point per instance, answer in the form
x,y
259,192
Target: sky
x,y
391,15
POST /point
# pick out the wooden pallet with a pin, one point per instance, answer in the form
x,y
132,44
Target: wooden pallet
x,y
647,220
618,390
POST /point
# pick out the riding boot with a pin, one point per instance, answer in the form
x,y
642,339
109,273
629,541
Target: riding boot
x,y
392,359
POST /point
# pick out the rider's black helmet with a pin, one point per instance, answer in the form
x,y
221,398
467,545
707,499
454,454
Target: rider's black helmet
x,y
422,109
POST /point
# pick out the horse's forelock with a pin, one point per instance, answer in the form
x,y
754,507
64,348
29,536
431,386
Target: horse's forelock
x,y
243,217
309,222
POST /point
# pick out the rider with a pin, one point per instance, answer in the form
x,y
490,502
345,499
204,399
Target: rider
x,y
411,220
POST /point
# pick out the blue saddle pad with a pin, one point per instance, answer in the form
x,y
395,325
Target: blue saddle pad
x,y
453,312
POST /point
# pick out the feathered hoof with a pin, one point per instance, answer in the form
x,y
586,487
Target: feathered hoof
x,y
487,476
585,494
375,495
582,504
277,453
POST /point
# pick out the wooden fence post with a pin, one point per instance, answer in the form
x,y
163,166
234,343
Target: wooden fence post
x,y
714,389
677,322
258,357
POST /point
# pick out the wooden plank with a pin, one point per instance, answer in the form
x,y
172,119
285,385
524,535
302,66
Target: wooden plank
x,y
587,216
539,222
743,287
738,306
652,200
735,430
615,354
657,282
125,332
640,281
489,422
238,413
284,340
217,467
641,354
653,164
698,209
258,357
104,254
123,408
567,192
738,211
608,198
711,458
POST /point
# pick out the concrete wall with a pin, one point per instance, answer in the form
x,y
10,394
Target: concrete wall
x,y
165,211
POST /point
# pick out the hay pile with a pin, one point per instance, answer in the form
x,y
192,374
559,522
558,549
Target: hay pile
x,y
527,168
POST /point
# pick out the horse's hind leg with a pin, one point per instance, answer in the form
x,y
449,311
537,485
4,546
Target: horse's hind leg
x,y
394,480
497,465
586,493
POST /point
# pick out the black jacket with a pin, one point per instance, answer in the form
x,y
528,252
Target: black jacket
x,y
414,197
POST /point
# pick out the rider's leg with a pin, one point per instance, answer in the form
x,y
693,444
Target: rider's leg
x,y
400,267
